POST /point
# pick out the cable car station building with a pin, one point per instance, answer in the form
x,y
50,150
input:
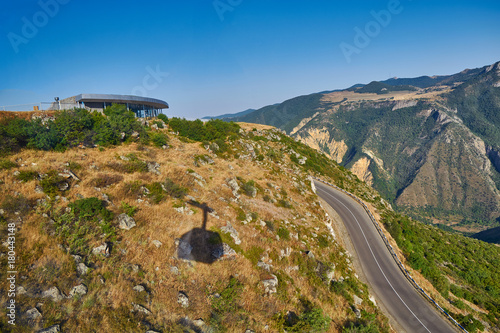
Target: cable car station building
x,y
142,106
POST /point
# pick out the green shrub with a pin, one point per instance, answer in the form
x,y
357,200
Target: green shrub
x,y
133,189
159,124
270,225
312,319
51,182
128,209
163,117
174,190
159,139
104,180
91,209
254,254
323,241
74,166
27,175
248,188
284,203
88,219
18,203
156,193
283,233
129,166
226,308
7,164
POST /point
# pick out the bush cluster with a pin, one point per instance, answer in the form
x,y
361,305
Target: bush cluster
x,y
70,128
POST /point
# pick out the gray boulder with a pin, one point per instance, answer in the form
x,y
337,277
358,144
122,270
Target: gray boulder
x,y
82,269
270,285
139,288
54,293
79,290
33,314
141,309
182,299
51,329
101,250
126,222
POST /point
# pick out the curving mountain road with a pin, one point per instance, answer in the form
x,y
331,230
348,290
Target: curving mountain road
x,y
410,310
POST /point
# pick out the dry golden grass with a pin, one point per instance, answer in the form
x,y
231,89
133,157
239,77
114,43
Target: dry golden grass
x,y
161,222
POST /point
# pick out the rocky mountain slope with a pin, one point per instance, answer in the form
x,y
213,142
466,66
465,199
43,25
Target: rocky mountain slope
x,y
430,145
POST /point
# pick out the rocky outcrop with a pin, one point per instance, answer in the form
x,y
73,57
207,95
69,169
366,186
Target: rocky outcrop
x,y
182,299
361,169
125,222
494,156
270,285
320,139
53,293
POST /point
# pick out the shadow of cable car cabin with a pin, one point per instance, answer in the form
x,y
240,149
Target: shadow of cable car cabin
x,y
200,244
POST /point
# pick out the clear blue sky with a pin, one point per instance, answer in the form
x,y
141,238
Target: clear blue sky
x,y
214,57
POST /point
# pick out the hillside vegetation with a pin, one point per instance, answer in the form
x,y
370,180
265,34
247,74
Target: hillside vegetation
x,y
170,225
215,229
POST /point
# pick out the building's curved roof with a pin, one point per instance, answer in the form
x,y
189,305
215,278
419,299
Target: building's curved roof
x,y
122,99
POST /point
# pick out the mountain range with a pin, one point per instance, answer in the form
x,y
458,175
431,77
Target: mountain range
x,y
430,145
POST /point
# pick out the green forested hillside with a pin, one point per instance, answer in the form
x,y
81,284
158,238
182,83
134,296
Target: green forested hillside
x,y
433,152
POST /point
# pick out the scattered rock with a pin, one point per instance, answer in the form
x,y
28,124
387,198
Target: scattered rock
x,y
101,250
33,314
38,189
233,184
357,312
63,186
21,290
174,270
141,309
78,259
157,243
229,229
51,329
372,299
79,290
224,252
182,299
263,265
184,210
139,288
270,285
357,300
126,222
54,293
154,167
183,248
82,269
330,274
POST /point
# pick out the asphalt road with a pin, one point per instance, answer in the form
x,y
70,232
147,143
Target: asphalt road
x,y
404,304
